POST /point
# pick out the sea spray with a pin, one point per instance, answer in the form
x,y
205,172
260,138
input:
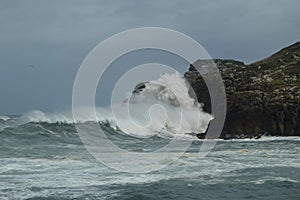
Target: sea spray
x,y
159,107
164,105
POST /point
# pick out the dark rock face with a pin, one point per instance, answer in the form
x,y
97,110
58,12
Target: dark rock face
x,y
263,97
139,87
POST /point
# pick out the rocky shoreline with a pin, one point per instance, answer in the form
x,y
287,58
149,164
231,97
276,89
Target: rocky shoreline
x,y
263,98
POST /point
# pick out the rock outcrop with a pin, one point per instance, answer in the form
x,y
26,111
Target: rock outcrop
x,y
262,97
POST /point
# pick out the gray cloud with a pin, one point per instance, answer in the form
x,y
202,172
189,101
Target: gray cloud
x,y
56,36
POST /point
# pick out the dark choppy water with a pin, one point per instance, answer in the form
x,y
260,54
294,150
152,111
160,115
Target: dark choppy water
x,y
48,161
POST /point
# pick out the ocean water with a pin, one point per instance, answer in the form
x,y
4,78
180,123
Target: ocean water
x,y
48,161
43,157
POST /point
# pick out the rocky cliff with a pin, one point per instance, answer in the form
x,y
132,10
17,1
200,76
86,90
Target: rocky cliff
x,y
262,97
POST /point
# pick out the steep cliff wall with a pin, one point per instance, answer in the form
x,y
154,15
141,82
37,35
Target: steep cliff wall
x,y
262,97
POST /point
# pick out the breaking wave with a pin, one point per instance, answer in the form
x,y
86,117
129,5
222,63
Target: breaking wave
x,y
162,105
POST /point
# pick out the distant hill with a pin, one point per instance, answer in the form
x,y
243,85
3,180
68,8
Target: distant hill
x,y
262,97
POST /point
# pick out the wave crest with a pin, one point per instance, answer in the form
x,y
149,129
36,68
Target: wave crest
x,y
170,92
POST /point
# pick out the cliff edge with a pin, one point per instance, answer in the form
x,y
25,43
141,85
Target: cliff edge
x,y
262,97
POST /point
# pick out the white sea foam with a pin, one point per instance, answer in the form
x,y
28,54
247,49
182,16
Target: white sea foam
x,y
163,105
4,118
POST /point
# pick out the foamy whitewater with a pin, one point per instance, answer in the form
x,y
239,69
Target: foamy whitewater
x,y
163,106
42,156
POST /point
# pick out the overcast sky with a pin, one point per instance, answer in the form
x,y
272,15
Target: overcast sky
x,y
42,42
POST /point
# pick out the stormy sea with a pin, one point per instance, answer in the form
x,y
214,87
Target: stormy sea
x,y
43,156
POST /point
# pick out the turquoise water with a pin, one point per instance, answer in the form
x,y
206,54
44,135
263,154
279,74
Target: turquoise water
x,y
48,161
